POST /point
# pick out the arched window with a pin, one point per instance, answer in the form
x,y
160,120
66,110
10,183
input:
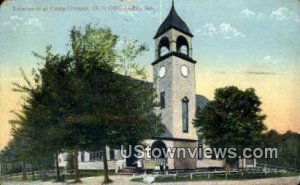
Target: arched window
x,y
164,46
185,115
200,145
162,100
182,45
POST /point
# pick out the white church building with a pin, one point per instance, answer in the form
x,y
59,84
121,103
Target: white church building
x,y
175,84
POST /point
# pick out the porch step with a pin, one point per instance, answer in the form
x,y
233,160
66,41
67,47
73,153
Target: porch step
x,y
126,171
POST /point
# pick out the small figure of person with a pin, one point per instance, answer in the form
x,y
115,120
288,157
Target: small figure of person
x,y
139,165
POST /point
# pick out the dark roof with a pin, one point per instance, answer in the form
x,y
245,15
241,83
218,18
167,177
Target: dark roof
x,y
201,101
173,21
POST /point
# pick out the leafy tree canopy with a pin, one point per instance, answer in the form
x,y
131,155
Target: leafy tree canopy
x,y
87,98
232,120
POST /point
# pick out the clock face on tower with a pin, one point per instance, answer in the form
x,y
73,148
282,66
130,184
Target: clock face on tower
x,y
162,71
184,71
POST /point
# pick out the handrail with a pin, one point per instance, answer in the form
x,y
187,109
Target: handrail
x,y
220,172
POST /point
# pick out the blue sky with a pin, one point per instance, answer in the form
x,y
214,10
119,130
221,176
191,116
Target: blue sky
x,y
240,32
248,43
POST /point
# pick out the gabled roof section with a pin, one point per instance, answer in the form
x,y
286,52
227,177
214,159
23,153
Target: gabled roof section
x,y
173,21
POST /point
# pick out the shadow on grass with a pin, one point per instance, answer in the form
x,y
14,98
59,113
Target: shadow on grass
x,y
63,178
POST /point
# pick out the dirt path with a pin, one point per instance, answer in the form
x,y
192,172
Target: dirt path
x,y
125,180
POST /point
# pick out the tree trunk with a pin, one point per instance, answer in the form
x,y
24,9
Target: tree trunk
x,y
32,172
13,166
106,178
227,166
24,175
44,170
76,170
57,167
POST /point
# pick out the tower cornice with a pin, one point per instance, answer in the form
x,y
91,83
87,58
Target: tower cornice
x,y
179,55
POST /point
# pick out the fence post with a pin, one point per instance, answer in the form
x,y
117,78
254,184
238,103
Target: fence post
x,y
265,172
226,175
191,176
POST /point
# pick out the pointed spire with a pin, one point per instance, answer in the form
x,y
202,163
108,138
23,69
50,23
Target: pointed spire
x,y
173,21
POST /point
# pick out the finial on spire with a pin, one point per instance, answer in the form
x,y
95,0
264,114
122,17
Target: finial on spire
x,y
172,3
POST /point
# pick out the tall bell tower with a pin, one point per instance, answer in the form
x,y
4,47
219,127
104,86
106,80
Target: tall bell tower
x,y
174,77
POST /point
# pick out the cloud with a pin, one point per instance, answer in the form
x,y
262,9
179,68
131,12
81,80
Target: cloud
x,y
271,60
227,31
131,14
33,22
17,23
15,17
152,13
283,14
208,29
5,23
223,30
249,14
221,72
260,73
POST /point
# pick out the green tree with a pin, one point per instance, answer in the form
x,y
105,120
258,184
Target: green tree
x,y
119,109
40,121
15,152
93,48
127,56
123,113
232,120
80,99
55,109
288,149
271,139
